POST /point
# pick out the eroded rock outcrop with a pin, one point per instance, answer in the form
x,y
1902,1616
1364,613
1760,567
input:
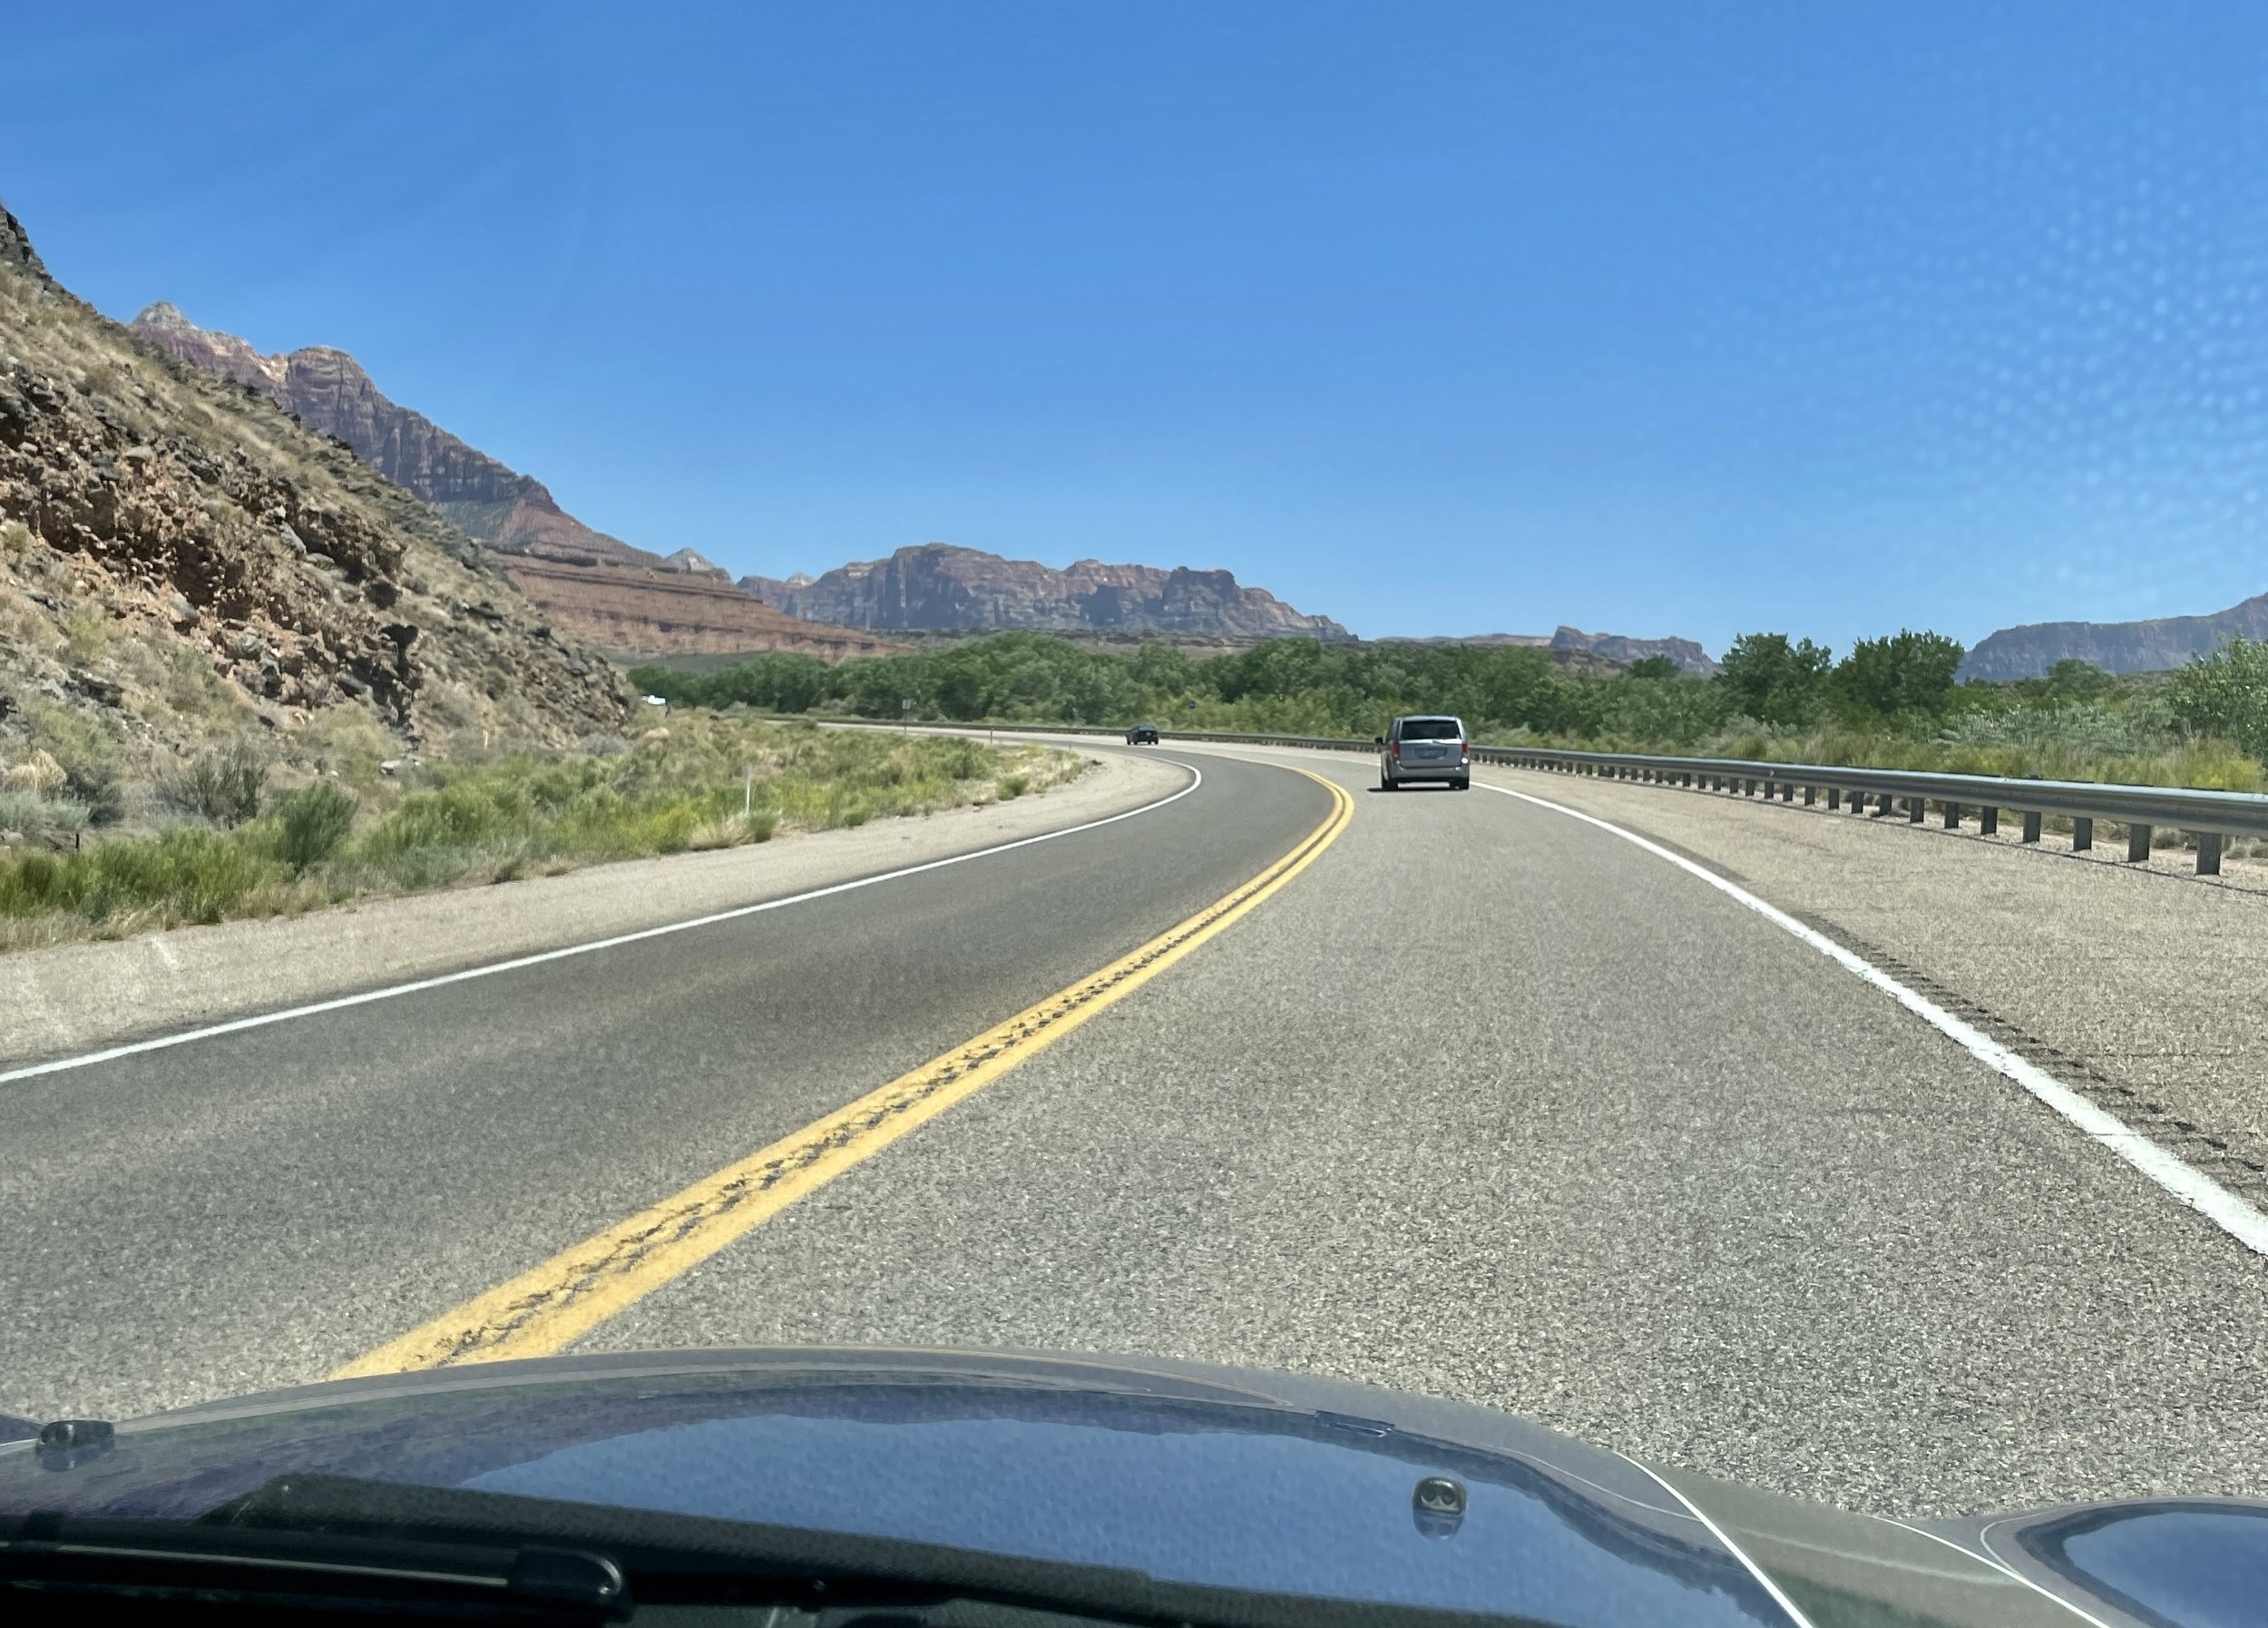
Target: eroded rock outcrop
x,y
178,559
639,611
939,585
625,600
328,391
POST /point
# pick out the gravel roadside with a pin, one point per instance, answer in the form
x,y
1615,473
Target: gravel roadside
x,y
2136,985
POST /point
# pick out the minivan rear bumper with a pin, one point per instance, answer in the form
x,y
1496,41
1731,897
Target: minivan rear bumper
x,y
1453,770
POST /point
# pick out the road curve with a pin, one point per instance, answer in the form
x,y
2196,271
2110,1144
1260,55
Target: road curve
x,y
257,1207
1494,1105
1487,1102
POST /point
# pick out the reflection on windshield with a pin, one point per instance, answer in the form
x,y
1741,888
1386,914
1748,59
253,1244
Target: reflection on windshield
x,y
2204,1566
1193,1495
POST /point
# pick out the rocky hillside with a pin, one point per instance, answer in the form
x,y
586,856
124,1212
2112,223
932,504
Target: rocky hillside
x,y
2027,652
179,562
634,604
328,391
937,586
1612,648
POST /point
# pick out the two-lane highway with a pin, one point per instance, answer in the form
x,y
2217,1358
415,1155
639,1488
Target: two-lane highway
x,y
1484,1102
258,1208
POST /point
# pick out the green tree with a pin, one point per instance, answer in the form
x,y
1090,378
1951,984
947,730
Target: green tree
x,y
1651,667
1905,672
2226,694
2072,676
1775,679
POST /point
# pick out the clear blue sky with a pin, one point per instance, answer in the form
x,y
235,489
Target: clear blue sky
x,y
1685,317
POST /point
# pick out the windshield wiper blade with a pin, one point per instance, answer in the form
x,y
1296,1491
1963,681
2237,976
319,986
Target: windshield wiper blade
x,y
75,1560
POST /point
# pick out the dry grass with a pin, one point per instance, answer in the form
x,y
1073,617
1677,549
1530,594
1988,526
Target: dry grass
x,y
704,782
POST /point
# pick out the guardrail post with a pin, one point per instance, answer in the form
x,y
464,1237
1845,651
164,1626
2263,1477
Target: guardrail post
x,y
2138,844
1989,821
1952,816
1917,810
1810,796
1834,799
2031,825
2082,834
2208,853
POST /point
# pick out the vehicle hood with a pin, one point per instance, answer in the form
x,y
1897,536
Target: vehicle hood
x,y
1223,1477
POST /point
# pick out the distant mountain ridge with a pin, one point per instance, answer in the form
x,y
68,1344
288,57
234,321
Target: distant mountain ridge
x,y
1605,647
2027,651
624,600
328,391
938,585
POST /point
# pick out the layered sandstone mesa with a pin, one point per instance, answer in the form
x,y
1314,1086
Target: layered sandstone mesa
x,y
179,560
639,611
1616,648
2027,652
938,585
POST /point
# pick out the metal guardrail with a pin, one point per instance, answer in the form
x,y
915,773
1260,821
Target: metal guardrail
x,y
2213,817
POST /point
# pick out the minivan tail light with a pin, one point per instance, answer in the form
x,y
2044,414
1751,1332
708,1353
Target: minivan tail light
x,y
1395,749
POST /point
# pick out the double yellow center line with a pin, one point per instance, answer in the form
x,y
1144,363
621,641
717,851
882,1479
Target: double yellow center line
x,y
549,1307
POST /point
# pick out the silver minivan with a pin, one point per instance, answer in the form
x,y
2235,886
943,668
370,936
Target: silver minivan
x,y
1432,748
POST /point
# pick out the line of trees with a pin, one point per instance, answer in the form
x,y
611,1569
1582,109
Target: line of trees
x,y
1902,682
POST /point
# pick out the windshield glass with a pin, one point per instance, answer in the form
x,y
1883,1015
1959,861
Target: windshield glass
x,y
751,678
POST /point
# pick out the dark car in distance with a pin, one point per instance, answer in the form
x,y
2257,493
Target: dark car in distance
x,y
1142,734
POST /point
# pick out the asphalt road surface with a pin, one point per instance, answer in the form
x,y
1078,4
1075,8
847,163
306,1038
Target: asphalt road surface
x,y
1485,1103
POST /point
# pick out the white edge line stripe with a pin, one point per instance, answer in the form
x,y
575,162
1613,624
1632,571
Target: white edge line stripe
x,y
2186,1184
1997,1564
1739,1554
1197,779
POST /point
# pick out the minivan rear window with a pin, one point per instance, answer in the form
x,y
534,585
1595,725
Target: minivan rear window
x,y
1432,728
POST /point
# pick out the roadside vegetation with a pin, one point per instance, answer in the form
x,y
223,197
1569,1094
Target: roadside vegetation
x,y
232,840
1888,703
